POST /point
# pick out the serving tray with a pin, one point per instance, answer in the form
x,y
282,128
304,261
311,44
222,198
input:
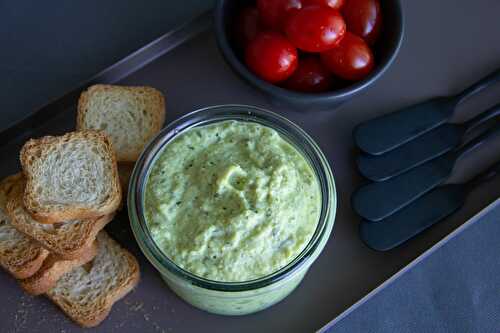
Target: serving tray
x,y
411,275
187,67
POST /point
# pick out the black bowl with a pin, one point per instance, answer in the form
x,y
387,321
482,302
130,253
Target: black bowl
x,y
385,51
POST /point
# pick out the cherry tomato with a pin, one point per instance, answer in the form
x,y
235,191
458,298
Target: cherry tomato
x,y
271,57
315,28
274,12
335,4
310,76
247,26
363,18
352,59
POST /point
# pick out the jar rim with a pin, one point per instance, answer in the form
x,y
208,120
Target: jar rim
x,y
213,114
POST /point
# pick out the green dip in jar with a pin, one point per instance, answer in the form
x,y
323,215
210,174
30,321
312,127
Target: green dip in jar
x,y
231,201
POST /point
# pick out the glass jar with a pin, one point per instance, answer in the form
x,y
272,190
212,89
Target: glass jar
x,y
233,298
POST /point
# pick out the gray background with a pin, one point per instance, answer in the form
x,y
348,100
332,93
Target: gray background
x,y
48,48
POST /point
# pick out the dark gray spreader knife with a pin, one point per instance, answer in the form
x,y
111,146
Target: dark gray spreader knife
x,y
421,214
376,201
387,132
424,148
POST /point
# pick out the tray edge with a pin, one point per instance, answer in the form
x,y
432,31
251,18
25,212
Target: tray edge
x,y
111,74
410,265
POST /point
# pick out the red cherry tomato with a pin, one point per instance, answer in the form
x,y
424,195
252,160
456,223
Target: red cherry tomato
x,y
363,18
247,26
315,28
271,56
310,76
335,4
352,59
274,12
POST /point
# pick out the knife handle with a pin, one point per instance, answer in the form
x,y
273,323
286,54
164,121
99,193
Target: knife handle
x,y
479,86
477,141
481,118
483,177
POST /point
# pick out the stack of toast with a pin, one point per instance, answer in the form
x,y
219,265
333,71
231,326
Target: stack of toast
x,y
52,214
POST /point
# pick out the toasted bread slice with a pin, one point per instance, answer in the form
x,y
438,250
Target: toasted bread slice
x,y
87,293
19,255
68,240
69,177
52,269
130,116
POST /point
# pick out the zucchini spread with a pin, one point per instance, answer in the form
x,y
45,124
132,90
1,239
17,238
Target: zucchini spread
x,y
231,201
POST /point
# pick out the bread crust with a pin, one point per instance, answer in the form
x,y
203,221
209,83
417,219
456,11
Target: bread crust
x,y
27,268
65,245
36,148
93,316
157,112
53,268
33,255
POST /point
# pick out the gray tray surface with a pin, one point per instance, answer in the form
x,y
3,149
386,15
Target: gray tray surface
x,y
193,76
466,303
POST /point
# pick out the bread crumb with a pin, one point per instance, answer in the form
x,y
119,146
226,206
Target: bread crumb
x,y
140,307
22,311
137,307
